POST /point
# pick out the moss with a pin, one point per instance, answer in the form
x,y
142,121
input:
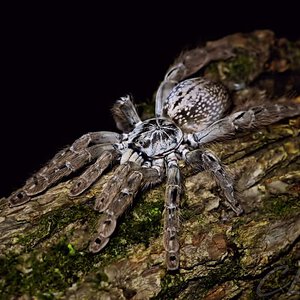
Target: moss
x,y
171,285
240,68
43,274
281,206
228,271
188,214
137,226
238,222
55,221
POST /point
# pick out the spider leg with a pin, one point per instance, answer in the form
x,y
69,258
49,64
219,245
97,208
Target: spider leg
x,y
98,137
125,114
204,159
240,121
171,213
64,163
112,187
152,173
123,187
188,63
91,174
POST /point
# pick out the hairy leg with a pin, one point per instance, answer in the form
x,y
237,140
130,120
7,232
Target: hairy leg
x,y
206,160
171,213
125,114
117,197
81,152
91,174
112,187
241,121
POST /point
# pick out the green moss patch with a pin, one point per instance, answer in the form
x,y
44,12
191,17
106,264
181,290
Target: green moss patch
x,y
173,284
281,206
42,274
240,68
47,272
55,221
137,226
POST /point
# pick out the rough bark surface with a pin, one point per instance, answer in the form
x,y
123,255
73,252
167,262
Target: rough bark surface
x,y
44,243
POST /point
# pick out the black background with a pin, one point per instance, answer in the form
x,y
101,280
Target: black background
x,y
64,67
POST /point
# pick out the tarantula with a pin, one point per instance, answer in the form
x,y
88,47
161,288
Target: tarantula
x,y
189,114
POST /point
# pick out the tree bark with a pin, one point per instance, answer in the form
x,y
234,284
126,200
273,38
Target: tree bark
x,y
44,243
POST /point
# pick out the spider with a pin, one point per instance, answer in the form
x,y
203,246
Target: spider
x,y
189,114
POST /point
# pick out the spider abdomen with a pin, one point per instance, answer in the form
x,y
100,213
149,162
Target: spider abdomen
x,y
195,103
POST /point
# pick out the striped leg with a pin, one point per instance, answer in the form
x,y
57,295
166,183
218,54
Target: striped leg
x,y
83,150
171,213
117,197
125,114
204,159
244,121
85,180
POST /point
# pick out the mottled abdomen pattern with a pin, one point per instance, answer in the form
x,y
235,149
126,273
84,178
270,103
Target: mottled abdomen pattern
x,y
195,103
